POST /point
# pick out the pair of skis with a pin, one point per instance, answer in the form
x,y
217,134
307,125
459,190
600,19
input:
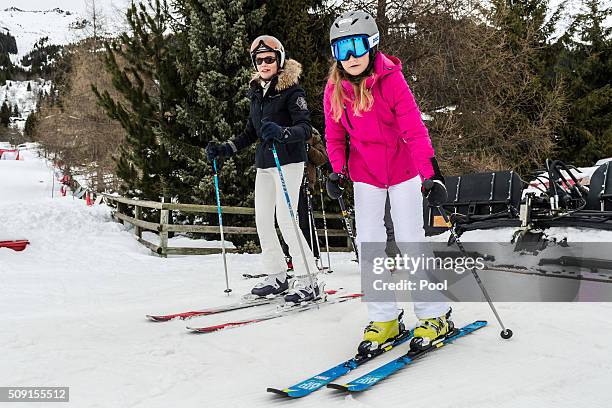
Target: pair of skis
x,y
283,309
372,378
242,304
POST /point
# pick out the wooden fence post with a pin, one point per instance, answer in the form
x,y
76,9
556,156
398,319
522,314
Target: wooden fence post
x,y
163,232
138,216
121,210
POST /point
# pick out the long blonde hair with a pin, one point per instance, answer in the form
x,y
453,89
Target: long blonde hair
x,y
363,96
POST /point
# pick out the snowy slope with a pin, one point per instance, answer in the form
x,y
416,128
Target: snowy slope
x,y
30,20
30,26
16,93
72,314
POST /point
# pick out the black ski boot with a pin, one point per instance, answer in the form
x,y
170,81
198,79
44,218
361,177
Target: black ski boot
x,y
272,285
302,291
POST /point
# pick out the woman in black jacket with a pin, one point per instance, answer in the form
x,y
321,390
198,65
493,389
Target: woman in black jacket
x,y
278,115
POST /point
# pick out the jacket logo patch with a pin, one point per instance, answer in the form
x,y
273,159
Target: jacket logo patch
x,y
301,103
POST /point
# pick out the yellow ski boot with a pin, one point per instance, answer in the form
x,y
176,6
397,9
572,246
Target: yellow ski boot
x,y
378,334
430,330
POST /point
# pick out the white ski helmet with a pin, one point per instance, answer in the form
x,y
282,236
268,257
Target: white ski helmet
x,y
265,43
354,23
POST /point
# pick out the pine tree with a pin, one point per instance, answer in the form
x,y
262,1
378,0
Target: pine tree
x,y
16,113
586,66
5,114
8,45
30,125
141,67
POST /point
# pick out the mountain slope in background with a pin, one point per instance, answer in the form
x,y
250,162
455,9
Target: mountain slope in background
x,y
29,26
60,20
16,92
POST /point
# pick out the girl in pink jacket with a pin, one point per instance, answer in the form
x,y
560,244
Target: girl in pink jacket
x,y
390,152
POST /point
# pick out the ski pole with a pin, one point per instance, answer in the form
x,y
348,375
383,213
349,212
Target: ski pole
x,y
313,225
216,177
505,333
309,208
320,176
292,215
347,223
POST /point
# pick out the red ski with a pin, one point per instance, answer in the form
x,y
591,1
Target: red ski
x,y
18,245
282,310
244,303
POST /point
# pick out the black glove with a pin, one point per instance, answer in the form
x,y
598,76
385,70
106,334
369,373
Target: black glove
x,y
218,151
271,132
433,188
335,185
435,192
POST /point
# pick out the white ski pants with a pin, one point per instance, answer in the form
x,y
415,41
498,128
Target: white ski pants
x,y
407,215
270,198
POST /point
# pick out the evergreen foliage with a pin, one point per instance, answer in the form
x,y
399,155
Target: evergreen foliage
x,y
41,59
140,63
585,64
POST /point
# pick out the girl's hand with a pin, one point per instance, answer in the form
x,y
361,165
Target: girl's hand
x,y
434,191
335,185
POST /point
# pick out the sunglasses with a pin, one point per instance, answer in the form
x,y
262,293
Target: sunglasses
x,y
267,60
357,46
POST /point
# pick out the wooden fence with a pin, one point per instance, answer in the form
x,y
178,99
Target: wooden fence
x,y
164,226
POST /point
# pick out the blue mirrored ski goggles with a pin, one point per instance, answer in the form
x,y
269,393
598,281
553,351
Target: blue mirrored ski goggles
x,y
357,46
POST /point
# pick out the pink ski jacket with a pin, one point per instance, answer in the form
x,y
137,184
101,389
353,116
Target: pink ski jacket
x,y
388,144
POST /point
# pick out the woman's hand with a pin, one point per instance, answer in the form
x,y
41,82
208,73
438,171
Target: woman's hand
x,y
271,132
216,150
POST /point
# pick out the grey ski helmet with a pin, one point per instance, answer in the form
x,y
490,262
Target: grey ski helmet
x,y
355,23
265,43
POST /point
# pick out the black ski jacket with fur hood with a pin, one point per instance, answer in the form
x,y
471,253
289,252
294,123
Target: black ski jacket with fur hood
x,y
284,104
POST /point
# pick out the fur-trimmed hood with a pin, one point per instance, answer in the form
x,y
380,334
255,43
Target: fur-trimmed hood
x,y
288,76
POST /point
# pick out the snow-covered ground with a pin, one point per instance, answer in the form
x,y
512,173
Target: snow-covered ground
x,y
72,309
